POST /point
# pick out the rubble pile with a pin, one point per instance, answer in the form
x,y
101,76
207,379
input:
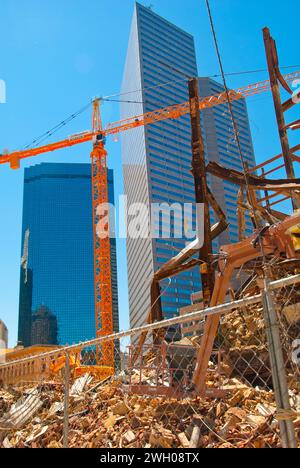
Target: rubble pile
x,y
102,415
243,341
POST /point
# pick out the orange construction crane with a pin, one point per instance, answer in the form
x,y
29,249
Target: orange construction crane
x,y
102,260
171,112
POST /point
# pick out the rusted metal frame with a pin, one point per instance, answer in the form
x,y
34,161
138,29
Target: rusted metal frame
x,y
203,195
295,158
238,178
295,125
241,208
168,269
258,216
266,193
276,202
287,105
264,213
271,171
260,213
275,241
275,158
278,215
275,77
269,161
181,268
174,266
279,185
177,265
269,197
222,224
201,192
282,186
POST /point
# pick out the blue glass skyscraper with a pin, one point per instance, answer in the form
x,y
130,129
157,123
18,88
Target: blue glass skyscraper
x,y
59,279
157,158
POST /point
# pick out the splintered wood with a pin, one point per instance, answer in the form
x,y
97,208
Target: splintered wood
x,y
104,416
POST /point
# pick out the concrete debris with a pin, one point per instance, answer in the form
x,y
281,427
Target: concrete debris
x,y
111,418
57,407
22,411
79,384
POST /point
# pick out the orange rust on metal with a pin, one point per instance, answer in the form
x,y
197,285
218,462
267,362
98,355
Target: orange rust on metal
x,y
275,158
273,170
237,178
275,240
275,79
201,192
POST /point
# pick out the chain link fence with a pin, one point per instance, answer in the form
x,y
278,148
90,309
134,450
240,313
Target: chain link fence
x,y
147,399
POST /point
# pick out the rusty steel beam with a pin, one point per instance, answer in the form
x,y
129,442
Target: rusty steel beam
x,y
274,241
275,79
180,262
238,178
294,125
294,157
201,191
290,102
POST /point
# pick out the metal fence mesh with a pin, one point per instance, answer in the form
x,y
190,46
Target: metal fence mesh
x,y
67,399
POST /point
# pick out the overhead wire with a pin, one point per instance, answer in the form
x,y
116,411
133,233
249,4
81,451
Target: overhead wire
x,y
236,132
230,105
37,141
250,72
167,83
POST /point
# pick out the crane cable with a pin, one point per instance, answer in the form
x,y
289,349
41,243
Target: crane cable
x,y
236,132
37,141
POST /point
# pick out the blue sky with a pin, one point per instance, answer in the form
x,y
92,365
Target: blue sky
x,y
56,55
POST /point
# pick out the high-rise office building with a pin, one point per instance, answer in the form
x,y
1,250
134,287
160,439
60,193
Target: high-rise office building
x,y
157,158
57,274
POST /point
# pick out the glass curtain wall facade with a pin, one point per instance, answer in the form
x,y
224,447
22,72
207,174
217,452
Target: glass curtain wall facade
x,y
157,158
57,212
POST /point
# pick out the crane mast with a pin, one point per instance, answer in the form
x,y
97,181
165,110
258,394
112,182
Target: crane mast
x,y
101,236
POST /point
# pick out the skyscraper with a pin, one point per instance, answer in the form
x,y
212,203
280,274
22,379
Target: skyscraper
x,y
57,279
157,158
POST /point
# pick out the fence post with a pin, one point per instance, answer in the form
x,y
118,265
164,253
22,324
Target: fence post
x,y
287,430
66,403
